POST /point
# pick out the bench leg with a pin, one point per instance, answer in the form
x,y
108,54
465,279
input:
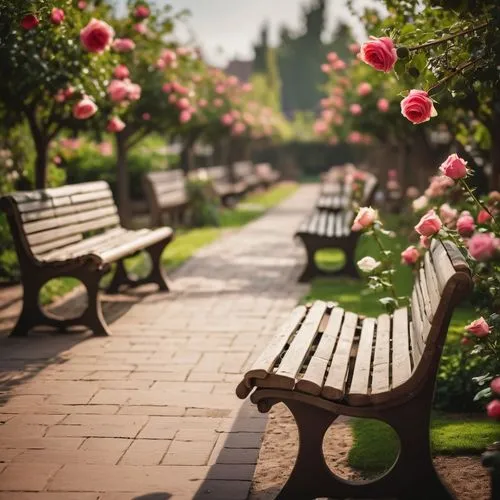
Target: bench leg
x,y
93,317
311,477
311,269
120,277
31,312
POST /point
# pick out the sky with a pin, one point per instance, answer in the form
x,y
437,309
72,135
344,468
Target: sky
x,y
227,29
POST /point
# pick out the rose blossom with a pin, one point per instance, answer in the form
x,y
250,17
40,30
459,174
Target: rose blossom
x,y
495,385
183,103
410,255
238,128
383,105
420,203
57,16
140,28
115,124
326,68
123,45
185,116
365,218
355,109
141,12
85,108
320,127
354,48
169,57
202,103
146,117
429,224
418,107
478,327
82,4
493,409
332,57
227,119
218,102
465,225
364,88
483,216
494,197
482,246
448,214
121,72
29,21
454,167
118,90
105,148
368,264
425,241
97,36
412,192
379,53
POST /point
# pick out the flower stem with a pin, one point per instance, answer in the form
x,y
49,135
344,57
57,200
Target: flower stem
x,y
466,187
384,258
449,37
461,68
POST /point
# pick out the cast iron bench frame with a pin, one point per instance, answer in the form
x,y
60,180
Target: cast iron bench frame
x,y
50,232
325,362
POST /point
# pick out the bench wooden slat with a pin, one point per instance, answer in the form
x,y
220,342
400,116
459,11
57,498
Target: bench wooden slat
x,y
336,379
381,359
432,283
417,339
457,259
297,352
401,364
40,250
339,224
323,219
358,389
312,381
264,364
442,264
94,195
330,229
424,289
424,324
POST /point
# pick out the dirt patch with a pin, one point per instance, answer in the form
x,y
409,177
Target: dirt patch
x,y
464,475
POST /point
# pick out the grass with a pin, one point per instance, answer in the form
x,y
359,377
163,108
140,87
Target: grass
x,y
375,444
188,241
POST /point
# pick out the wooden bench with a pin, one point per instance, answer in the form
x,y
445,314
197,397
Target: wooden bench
x,y
244,173
329,226
225,189
266,174
75,231
166,193
324,362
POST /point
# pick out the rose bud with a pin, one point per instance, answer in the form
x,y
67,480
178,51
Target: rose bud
x,y
365,218
115,124
29,21
454,167
495,385
478,327
483,216
383,105
410,256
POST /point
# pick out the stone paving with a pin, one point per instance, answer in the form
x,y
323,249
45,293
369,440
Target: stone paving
x,y
150,413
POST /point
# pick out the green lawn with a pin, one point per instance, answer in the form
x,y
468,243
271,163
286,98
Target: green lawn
x,y
188,241
375,446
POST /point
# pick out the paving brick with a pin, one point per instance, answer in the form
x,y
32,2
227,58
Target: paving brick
x,y
224,490
27,477
45,495
231,472
147,452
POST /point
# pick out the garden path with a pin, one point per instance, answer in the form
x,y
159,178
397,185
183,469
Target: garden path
x,y
150,413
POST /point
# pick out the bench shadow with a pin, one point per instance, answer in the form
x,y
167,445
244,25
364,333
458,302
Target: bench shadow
x,y
153,496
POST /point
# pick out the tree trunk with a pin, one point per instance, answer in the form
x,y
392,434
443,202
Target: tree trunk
x,y
122,180
42,149
495,153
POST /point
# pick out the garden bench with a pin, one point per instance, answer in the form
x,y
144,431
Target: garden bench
x,y
244,172
75,231
330,227
266,174
223,187
324,362
166,193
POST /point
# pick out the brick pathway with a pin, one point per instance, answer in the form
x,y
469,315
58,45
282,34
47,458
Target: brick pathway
x,y
150,413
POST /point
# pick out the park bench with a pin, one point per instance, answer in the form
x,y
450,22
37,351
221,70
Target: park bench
x,y
166,194
329,227
75,231
244,173
324,362
266,174
224,188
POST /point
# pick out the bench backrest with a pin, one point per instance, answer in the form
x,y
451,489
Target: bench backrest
x,y
218,174
45,220
165,190
243,169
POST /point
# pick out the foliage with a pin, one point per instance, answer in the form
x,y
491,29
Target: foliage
x,y
203,203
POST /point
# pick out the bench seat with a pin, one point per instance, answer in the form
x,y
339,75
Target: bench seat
x,y
325,361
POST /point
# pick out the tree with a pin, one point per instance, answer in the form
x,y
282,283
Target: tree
x,y
46,69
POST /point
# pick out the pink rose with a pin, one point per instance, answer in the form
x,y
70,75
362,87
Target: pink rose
x,y
82,4
410,256
482,246
227,119
134,91
493,409
429,224
383,105
177,87
118,90
60,96
326,68
478,327
172,98
320,127
167,88
379,53
123,45
339,65
183,103
238,128
447,214
105,148
115,124
29,21
364,88
169,57
412,192
454,167
365,218
354,48
85,108
121,72
247,87
97,36
140,28
332,57
218,103
483,216
425,242
418,107
465,225
495,385
57,16
202,103
57,160
141,12
146,117
185,116
354,137
355,109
